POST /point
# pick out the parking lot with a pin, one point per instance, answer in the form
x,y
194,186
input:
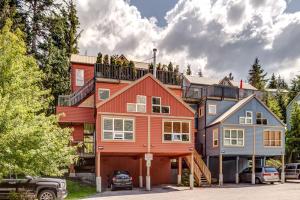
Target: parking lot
x,y
287,191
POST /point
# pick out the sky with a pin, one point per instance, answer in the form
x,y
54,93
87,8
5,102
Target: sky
x,y
215,36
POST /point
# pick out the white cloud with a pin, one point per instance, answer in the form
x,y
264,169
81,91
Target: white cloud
x,y
218,36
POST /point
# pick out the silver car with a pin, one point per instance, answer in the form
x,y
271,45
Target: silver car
x,y
292,171
262,175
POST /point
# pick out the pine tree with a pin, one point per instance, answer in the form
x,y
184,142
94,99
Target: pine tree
x,y
273,83
30,142
200,74
188,70
282,103
257,76
281,83
295,88
293,136
170,67
273,105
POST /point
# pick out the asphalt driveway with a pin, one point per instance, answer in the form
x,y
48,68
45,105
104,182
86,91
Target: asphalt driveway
x,y
287,191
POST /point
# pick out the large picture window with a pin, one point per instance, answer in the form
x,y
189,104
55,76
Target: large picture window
x,y
233,137
176,131
272,138
118,129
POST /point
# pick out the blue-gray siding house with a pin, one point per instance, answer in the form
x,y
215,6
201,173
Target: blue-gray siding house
x,y
289,109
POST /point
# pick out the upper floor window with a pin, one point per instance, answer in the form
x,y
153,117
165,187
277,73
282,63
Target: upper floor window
x,y
103,94
158,108
176,131
260,119
233,137
215,137
248,119
212,109
79,77
272,138
139,106
118,129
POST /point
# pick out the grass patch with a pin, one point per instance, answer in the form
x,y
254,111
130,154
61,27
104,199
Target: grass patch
x,y
77,190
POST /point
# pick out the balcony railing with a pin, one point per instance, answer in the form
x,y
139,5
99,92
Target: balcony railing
x,y
78,96
218,92
130,74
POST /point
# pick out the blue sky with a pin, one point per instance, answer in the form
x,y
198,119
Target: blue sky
x,y
216,36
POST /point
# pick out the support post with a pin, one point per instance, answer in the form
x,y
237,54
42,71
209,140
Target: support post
x,y
98,172
207,161
220,170
237,180
264,161
148,180
179,170
141,173
192,172
282,169
253,170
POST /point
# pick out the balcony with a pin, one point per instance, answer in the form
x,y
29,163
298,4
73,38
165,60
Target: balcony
x,y
131,74
217,92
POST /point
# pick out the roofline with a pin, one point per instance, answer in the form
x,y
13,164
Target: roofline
x,y
293,99
139,80
253,96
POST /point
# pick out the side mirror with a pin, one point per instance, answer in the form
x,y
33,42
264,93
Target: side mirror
x,y
29,178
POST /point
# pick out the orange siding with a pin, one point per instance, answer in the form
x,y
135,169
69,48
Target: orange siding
x,y
113,87
77,132
177,91
88,74
75,114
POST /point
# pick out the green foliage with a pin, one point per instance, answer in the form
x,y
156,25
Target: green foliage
x,y
295,88
257,76
78,190
99,58
272,103
30,142
293,135
106,60
273,82
170,67
188,70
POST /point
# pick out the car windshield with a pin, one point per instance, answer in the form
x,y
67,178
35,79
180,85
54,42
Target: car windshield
x,y
119,172
290,167
270,170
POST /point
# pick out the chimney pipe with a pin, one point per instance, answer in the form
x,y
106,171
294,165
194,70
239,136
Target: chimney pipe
x,y
241,84
154,62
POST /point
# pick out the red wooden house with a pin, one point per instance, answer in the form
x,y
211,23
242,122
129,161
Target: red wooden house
x,y
127,119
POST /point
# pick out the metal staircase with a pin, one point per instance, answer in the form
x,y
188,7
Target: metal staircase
x,y
76,97
202,174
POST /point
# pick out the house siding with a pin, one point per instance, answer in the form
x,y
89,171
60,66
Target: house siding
x,y
289,110
222,106
75,114
88,74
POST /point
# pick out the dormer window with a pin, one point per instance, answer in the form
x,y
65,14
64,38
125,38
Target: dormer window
x,y
212,109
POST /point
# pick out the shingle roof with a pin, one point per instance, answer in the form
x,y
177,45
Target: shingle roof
x,y
91,60
212,81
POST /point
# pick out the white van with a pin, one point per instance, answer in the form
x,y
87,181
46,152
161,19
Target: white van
x,y
292,171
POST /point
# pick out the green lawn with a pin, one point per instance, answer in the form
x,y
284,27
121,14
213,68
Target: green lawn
x,y
78,190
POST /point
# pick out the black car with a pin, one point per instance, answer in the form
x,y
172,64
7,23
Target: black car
x,y
121,179
41,188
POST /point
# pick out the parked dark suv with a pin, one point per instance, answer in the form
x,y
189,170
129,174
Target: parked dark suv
x,y
121,179
41,188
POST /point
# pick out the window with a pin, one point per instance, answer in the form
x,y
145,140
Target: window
x,y
79,77
260,119
212,109
233,137
158,108
248,119
215,137
140,106
272,138
176,131
88,139
103,93
118,129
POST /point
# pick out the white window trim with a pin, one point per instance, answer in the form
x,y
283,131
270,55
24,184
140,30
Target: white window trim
x,y
215,139
77,81
136,104
281,141
233,145
120,132
176,141
246,117
105,89
211,113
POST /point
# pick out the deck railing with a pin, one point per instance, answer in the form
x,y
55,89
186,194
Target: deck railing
x,y
77,96
130,73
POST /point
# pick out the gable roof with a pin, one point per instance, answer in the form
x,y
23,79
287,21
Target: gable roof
x,y
237,106
140,80
291,102
212,81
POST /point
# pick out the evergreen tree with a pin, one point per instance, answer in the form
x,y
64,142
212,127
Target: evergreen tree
x,y
293,136
230,76
281,83
99,58
30,142
273,82
295,88
200,74
273,105
188,70
170,67
282,103
106,60
257,76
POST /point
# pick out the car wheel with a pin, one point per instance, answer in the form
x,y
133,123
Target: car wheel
x,y
47,195
257,181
